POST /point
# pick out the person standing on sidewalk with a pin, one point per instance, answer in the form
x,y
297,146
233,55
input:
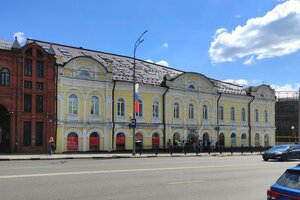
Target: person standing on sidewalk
x,y
51,145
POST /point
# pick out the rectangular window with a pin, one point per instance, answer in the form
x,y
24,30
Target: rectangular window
x,y
27,103
39,134
39,86
39,103
39,68
27,67
28,84
27,134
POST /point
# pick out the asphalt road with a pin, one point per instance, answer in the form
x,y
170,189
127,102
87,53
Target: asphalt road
x,y
184,178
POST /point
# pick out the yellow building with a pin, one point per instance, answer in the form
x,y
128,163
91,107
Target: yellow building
x,y
95,101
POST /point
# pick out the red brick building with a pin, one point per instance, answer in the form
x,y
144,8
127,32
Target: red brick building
x,y
27,97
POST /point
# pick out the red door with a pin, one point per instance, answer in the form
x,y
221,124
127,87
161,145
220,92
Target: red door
x,y
120,141
94,142
72,142
155,140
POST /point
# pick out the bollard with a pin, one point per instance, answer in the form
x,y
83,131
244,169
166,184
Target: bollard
x,y
171,150
251,149
197,150
221,149
231,149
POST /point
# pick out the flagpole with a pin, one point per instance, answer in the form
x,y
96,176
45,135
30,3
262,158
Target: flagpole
x,y
133,122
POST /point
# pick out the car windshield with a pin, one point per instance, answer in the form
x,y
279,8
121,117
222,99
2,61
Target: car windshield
x,y
291,179
280,147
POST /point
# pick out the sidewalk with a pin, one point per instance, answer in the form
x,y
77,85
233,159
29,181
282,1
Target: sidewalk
x,y
9,157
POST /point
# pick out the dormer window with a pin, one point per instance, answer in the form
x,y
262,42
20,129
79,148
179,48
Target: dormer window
x,y
84,74
65,52
192,87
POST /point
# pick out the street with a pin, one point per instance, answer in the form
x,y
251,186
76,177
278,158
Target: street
x,y
168,178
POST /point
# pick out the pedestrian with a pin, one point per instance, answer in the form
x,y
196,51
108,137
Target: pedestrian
x,y
51,145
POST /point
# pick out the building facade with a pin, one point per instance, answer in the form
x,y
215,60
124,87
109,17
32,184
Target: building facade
x,y
287,117
27,103
95,105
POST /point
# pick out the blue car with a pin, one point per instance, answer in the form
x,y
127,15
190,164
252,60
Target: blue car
x,y
282,152
287,186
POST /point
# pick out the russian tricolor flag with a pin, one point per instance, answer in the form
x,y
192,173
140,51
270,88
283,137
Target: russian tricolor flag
x,y
136,98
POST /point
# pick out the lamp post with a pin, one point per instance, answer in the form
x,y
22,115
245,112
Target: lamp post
x,y
133,122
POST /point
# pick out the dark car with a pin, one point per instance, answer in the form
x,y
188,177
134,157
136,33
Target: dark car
x,y
287,186
282,152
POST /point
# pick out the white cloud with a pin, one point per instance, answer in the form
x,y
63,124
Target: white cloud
x,y
287,90
237,16
148,60
237,82
163,62
249,61
20,36
165,45
275,34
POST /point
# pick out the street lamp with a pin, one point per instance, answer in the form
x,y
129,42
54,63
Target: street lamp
x,y
133,122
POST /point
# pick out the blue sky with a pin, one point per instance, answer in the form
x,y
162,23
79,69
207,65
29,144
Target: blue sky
x,y
249,42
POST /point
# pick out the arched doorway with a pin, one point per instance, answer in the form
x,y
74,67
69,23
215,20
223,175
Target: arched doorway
x,y
266,140
139,140
120,141
193,137
72,142
221,139
155,140
233,139
4,130
94,142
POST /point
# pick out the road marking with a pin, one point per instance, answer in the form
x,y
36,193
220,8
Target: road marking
x,y
122,171
185,182
39,167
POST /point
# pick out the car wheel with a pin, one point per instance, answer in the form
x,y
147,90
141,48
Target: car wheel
x,y
265,159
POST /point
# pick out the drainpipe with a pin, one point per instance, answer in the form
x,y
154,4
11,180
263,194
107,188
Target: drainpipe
x,y
56,100
113,115
16,112
164,117
218,126
249,118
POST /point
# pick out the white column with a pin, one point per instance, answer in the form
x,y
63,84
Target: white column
x,y
84,140
84,108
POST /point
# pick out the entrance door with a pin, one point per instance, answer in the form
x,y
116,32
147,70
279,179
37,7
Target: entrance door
x,y
4,130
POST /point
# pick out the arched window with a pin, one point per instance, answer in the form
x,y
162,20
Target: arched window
x,y
233,139
176,111
84,74
232,114
205,112
244,139
266,140
256,115
243,114
4,77
121,107
191,87
266,116
73,104
221,113
155,109
140,112
191,111
257,140
176,138
94,105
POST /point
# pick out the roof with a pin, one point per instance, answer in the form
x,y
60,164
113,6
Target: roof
x,y
5,45
146,72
